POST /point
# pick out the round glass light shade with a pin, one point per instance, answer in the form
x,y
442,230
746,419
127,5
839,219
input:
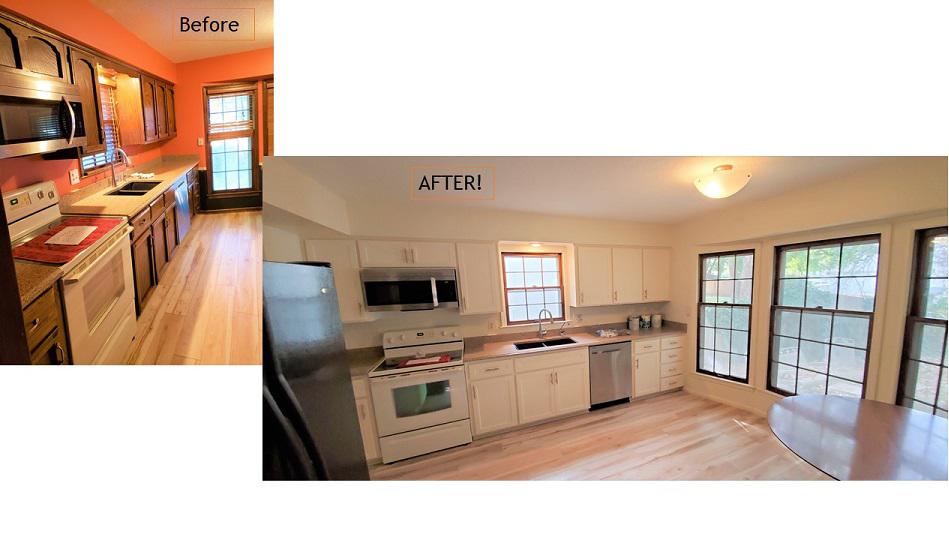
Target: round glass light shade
x,y
723,182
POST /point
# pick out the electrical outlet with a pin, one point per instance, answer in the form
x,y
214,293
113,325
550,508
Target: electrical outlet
x,y
579,317
200,141
73,176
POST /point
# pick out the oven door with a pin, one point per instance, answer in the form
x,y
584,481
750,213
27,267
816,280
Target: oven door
x,y
420,399
99,300
36,125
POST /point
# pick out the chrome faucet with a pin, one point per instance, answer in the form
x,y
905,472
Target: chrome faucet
x,y
540,322
126,160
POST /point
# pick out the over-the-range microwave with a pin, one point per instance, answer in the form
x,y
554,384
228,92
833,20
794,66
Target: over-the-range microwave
x,y
409,289
38,116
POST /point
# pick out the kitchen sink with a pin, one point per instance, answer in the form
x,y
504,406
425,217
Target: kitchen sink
x,y
546,343
134,188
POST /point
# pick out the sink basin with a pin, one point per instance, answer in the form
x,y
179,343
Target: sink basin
x,y
134,188
546,343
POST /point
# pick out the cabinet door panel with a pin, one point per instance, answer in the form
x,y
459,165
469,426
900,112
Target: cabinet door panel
x,y
381,253
478,278
42,54
85,75
149,109
142,265
171,236
367,428
657,264
9,45
341,254
158,247
571,388
628,275
431,254
170,118
493,404
161,106
535,395
646,373
594,280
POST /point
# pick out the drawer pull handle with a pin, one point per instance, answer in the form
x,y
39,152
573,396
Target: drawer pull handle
x,y
492,369
36,323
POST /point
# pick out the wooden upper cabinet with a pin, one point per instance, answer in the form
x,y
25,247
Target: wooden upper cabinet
x,y
170,120
84,74
9,46
149,109
31,54
161,107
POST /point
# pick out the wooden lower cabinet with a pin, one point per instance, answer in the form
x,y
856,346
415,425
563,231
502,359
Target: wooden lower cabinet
x,y
45,330
158,242
142,265
154,242
171,236
493,404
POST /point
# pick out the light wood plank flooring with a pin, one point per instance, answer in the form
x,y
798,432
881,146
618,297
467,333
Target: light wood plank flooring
x,y
674,436
206,308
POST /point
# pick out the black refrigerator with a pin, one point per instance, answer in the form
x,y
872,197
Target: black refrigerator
x,y
310,427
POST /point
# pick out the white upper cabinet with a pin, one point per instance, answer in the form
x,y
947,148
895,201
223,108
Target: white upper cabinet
x,y
478,278
627,275
594,276
341,254
388,254
657,265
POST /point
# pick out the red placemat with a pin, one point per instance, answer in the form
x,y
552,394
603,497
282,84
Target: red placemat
x,y
414,362
37,249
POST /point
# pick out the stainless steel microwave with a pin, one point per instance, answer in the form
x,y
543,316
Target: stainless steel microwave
x,y
36,121
409,289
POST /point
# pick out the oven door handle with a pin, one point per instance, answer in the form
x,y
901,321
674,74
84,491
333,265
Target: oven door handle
x,y
87,267
434,293
412,375
72,120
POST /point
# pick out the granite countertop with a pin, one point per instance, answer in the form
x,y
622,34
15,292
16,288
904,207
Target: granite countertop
x,y
362,360
167,170
34,279
496,349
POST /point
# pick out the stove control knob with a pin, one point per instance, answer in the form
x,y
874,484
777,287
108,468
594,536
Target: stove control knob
x,y
454,334
389,340
50,194
39,194
401,337
444,333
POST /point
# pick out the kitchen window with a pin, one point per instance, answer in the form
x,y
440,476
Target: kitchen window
x,y
232,138
110,131
532,282
821,316
923,373
726,282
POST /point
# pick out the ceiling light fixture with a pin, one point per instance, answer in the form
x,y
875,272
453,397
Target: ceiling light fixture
x,y
535,244
723,182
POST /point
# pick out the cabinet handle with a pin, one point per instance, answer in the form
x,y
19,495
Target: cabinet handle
x,y
637,363
581,298
36,323
362,411
551,377
413,255
556,377
474,392
491,369
645,294
614,296
60,354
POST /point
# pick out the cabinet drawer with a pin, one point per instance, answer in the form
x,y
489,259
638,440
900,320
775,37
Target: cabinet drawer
x,y
547,360
667,383
361,388
41,317
673,342
169,197
487,369
668,370
140,223
157,207
646,346
671,356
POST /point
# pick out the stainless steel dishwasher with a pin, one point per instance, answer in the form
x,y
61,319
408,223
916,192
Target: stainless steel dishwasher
x,y
611,373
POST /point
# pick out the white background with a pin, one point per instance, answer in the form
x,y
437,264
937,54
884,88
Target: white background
x,y
174,452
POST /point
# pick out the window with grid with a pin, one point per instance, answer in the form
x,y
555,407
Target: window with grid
x,y
110,133
532,282
725,287
231,136
821,316
923,373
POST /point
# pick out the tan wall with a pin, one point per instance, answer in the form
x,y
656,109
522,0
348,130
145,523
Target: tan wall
x,y
894,201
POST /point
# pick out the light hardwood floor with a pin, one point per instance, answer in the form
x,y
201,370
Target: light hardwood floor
x,y
207,307
674,436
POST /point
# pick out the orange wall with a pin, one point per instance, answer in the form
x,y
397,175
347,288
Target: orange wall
x,y
194,76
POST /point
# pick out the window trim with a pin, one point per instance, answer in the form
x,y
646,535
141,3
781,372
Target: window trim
x,y
505,288
211,91
915,295
775,306
698,316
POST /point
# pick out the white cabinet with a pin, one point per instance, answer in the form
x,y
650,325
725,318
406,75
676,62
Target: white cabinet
x,y
397,253
671,370
552,384
657,265
627,275
594,276
367,420
478,278
646,372
341,254
492,395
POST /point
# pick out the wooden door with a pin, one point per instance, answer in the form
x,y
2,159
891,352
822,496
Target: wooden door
x,y
9,46
170,118
171,233
381,253
85,75
149,109
161,108
341,254
627,275
535,399
493,404
594,276
478,277
142,266
431,254
158,247
646,374
571,388
657,264
41,54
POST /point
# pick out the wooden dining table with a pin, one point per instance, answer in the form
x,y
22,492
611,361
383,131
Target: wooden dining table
x,y
859,439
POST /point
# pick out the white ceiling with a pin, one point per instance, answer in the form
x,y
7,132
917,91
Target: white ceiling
x,y
641,189
154,22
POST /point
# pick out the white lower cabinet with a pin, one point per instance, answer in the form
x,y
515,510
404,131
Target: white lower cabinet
x,y
552,384
535,399
493,404
657,365
645,374
572,388
367,420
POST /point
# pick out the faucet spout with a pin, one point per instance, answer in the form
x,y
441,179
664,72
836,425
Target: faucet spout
x,y
541,332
